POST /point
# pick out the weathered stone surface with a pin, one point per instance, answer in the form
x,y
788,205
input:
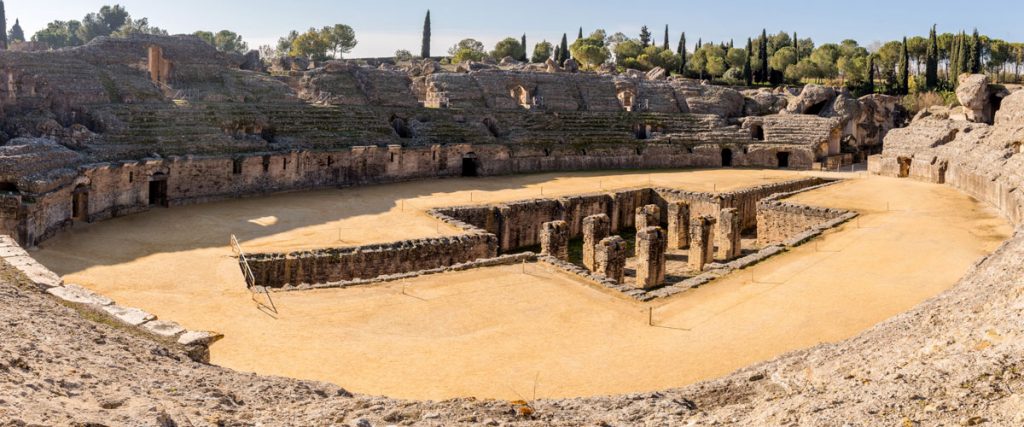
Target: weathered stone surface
x,y
812,100
650,253
647,216
973,94
199,338
657,73
702,242
610,258
729,240
130,315
1011,110
595,229
571,66
79,295
164,328
678,225
554,239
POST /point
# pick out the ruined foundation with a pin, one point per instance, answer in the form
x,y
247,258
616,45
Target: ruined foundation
x,y
650,253
610,258
648,216
595,229
678,225
554,239
729,240
702,242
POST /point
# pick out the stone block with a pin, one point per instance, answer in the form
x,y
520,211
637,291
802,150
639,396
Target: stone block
x,y
651,243
164,328
647,216
678,225
199,338
729,238
595,229
702,242
79,295
129,315
554,239
610,258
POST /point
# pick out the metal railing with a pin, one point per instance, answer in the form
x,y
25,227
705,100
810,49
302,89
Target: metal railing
x,y
250,279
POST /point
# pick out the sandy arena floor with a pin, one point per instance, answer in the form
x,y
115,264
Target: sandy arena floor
x,y
500,332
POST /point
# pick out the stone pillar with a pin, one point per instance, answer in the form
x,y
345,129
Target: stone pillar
x,y
647,216
702,242
650,257
595,229
554,239
610,258
729,242
678,225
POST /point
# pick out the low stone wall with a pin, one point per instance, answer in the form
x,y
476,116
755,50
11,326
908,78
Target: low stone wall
x,y
278,270
780,222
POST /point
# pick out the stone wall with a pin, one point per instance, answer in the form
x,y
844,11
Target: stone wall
x,y
780,222
276,270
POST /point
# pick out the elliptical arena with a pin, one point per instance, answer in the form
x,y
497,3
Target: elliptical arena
x,y
506,233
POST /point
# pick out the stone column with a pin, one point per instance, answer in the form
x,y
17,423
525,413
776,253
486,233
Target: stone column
x,y
702,242
650,254
678,225
554,239
729,242
647,216
595,229
610,258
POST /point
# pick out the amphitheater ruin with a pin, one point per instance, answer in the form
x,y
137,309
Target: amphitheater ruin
x,y
497,245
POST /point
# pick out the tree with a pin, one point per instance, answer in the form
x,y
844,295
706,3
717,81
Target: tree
x,y
403,55
666,45
467,50
58,34
763,57
871,74
974,60
523,43
590,51
783,58
904,69
425,48
507,47
224,41
541,52
138,26
564,50
16,34
580,36
3,26
645,37
681,51
340,39
627,51
796,46
748,76
311,44
103,23
284,44
931,73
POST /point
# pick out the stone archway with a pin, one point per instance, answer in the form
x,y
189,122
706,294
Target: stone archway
x,y
726,158
470,165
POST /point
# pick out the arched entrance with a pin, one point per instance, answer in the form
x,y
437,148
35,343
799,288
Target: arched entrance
x,y
757,132
726,158
80,203
470,165
783,158
158,190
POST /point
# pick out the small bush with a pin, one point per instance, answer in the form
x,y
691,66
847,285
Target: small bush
x,y
923,100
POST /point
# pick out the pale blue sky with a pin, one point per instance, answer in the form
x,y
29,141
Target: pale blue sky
x,y
384,26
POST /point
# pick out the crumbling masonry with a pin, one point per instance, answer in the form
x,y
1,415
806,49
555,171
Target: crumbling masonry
x,y
554,239
702,242
595,229
650,253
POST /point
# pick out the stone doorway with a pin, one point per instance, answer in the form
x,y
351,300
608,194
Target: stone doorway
x,y
904,166
726,158
470,165
783,159
80,203
158,190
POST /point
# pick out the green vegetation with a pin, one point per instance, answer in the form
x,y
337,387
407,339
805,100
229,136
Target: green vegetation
x,y
224,41
319,45
425,48
113,21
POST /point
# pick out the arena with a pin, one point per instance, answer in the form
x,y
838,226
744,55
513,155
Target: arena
x,y
186,237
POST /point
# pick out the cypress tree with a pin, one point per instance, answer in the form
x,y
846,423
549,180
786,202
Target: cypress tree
x,y
904,69
16,35
524,58
681,50
976,49
565,50
666,45
645,37
796,46
765,72
954,63
3,26
748,75
931,69
425,49
580,36
871,74
700,44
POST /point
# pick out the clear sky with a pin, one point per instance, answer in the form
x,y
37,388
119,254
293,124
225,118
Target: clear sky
x,y
382,26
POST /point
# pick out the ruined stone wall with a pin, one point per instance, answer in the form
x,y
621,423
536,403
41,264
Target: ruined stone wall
x,y
745,200
367,262
779,222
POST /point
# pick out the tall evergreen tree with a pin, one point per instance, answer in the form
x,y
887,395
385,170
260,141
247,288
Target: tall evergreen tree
x,y
3,26
524,58
16,34
976,49
748,75
666,45
871,74
931,68
425,48
564,49
700,44
954,61
796,46
580,36
681,50
904,69
645,37
763,56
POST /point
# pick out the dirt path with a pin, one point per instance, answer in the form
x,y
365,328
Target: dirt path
x,y
498,332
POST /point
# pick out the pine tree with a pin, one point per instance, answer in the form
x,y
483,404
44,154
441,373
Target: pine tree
x,y
425,49
931,67
564,50
976,49
871,74
3,26
763,57
16,34
645,37
748,75
524,58
666,46
904,69
681,50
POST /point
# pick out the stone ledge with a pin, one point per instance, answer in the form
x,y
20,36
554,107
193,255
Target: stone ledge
x,y
79,295
164,328
129,315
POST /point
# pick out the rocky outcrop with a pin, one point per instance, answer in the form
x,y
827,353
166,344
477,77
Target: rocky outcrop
x,y
708,99
812,100
973,94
